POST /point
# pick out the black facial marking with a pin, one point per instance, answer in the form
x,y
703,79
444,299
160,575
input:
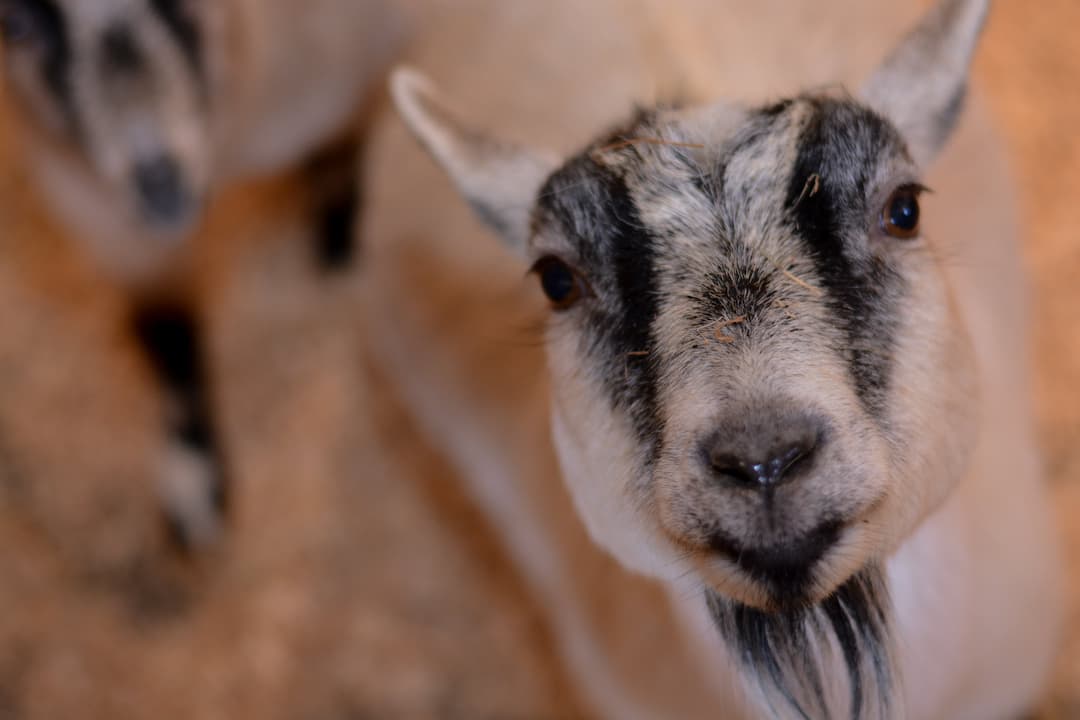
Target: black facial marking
x,y
171,339
593,206
120,52
46,28
184,28
839,144
777,649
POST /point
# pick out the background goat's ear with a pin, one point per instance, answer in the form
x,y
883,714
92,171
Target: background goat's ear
x,y
922,83
500,180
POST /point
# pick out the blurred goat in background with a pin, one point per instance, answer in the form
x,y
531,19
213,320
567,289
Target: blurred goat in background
x,y
133,113
135,110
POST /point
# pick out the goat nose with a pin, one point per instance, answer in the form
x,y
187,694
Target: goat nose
x,y
163,194
739,463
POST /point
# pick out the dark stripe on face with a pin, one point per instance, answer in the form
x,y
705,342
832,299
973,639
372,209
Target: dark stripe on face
x,y
592,204
779,650
183,27
841,143
41,23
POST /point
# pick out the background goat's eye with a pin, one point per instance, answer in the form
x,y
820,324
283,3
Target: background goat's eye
x,y
900,216
16,24
560,283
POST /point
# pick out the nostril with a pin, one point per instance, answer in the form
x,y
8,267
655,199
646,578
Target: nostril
x,y
732,468
781,465
162,193
761,470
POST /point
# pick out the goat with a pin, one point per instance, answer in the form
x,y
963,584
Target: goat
x,y
771,391
135,110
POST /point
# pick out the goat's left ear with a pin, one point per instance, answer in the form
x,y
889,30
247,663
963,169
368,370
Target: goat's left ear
x,y
921,85
500,180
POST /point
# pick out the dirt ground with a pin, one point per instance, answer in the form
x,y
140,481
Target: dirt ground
x,y
357,581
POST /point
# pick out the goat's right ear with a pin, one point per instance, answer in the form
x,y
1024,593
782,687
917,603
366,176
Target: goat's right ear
x,y
922,83
500,180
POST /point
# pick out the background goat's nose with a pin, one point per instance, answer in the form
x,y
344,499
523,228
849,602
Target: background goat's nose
x,y
163,195
761,462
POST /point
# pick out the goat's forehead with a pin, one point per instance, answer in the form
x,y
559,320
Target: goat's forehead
x,y
687,174
677,228
82,24
86,42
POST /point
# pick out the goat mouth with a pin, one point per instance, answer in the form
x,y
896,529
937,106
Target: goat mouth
x,y
785,570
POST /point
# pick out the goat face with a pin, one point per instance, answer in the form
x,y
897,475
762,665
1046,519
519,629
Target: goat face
x,y
761,381
759,358
120,85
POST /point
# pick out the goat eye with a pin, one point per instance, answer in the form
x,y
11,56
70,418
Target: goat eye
x,y
900,216
16,24
559,282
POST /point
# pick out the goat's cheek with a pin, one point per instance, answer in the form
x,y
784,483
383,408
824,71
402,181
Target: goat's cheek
x,y
680,504
933,413
600,463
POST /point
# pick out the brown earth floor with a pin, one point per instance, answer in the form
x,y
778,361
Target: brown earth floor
x,y
357,582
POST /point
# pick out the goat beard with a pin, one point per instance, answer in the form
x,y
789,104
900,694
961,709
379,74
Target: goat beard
x,y
832,659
